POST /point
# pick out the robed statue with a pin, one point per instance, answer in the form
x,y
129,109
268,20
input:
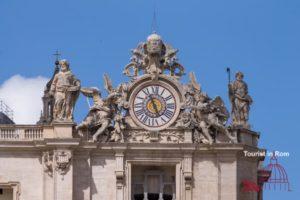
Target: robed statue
x,y
65,88
240,101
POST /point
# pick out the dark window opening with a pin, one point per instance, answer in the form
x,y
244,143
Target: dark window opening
x,y
1,191
152,196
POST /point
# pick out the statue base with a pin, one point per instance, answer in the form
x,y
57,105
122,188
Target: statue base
x,y
246,136
63,129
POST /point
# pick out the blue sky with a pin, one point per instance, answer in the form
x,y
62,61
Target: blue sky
x,y
258,37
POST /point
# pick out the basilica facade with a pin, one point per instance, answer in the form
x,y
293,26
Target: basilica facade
x,y
151,138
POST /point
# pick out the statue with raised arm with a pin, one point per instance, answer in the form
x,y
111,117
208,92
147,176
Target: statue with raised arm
x,y
210,118
105,113
240,101
65,88
99,116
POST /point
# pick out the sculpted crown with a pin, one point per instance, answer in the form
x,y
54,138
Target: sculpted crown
x,y
154,36
154,57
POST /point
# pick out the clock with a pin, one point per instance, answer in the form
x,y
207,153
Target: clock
x,y
154,105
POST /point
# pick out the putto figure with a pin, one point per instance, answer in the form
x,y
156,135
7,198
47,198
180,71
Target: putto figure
x,y
65,89
240,101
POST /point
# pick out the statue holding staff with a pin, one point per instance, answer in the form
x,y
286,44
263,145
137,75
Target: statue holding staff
x,y
240,101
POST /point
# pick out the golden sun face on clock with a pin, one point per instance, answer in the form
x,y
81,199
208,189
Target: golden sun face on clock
x,y
154,106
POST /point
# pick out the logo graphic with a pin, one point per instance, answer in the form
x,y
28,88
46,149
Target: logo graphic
x,y
279,178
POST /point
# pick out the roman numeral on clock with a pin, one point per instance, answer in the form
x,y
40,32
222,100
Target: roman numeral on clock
x,y
162,119
145,119
139,112
154,89
171,106
168,114
138,105
146,91
156,122
168,98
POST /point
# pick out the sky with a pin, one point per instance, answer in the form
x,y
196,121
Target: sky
x,y
260,38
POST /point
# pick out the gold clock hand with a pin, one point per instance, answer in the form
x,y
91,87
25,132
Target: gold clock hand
x,y
154,106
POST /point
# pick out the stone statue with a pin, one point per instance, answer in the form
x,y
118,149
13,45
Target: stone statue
x,y
211,117
47,160
208,116
200,111
65,88
240,101
119,126
99,116
185,120
118,102
154,57
154,50
105,112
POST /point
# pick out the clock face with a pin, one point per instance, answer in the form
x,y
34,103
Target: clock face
x,y
154,106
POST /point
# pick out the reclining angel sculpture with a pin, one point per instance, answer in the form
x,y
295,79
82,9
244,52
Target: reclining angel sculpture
x,y
104,116
208,116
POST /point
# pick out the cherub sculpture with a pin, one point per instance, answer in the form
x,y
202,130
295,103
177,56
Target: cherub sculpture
x,y
119,104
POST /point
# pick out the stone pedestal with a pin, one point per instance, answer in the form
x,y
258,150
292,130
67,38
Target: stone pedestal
x,y
57,161
58,130
63,129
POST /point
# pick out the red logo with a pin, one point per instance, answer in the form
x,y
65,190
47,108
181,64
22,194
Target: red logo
x,y
250,186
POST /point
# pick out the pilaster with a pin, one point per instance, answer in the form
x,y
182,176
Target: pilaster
x,y
188,175
120,174
63,174
227,165
57,162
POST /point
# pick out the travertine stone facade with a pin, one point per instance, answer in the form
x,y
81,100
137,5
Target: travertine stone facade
x,y
107,171
152,138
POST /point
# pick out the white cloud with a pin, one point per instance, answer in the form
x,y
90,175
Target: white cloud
x,y
23,96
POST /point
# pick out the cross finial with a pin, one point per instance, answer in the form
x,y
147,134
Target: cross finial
x,y
154,21
57,54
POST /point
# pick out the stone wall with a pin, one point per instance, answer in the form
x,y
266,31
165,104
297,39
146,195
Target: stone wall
x,y
103,182
247,170
199,172
205,173
81,177
26,168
